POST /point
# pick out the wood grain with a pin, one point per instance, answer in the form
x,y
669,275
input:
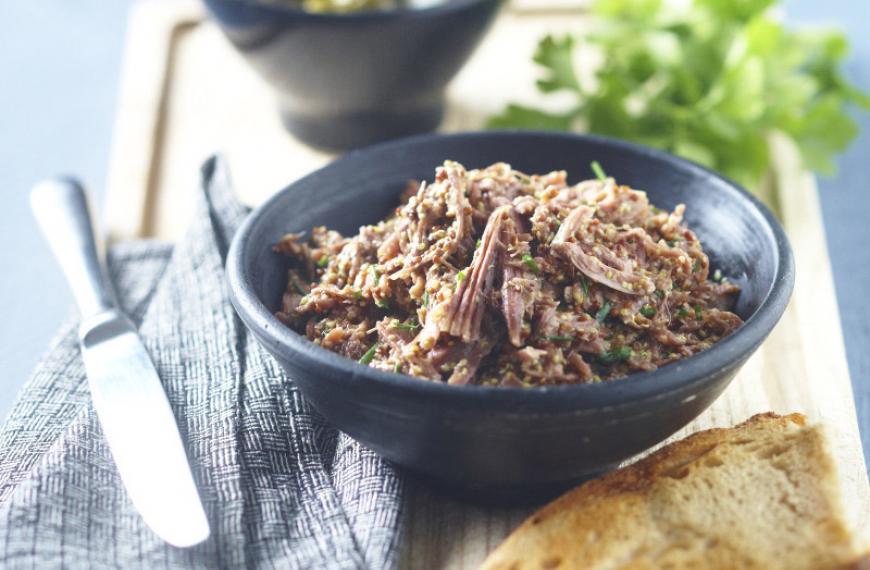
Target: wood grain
x,y
187,94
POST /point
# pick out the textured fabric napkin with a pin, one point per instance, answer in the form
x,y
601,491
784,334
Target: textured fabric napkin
x,y
281,487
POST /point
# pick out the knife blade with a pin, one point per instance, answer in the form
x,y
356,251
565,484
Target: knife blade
x,y
128,396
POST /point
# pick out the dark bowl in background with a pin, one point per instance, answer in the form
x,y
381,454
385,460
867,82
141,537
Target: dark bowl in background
x,y
348,80
511,443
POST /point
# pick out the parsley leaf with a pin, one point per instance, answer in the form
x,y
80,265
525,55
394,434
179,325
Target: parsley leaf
x,y
618,354
556,55
530,262
520,117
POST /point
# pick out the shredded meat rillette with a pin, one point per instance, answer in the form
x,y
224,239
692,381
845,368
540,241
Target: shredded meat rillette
x,y
498,278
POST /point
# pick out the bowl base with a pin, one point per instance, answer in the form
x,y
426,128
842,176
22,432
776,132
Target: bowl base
x,y
354,130
518,495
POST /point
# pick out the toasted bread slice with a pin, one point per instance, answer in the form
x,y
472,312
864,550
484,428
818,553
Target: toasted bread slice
x,y
763,495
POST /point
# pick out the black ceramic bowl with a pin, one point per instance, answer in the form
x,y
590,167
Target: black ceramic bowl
x,y
504,442
347,80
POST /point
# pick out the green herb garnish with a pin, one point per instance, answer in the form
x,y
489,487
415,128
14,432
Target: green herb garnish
x,y
460,277
369,355
614,355
603,312
599,172
382,303
648,311
426,299
682,313
531,263
585,286
398,368
346,6
705,79
408,326
699,315
477,245
560,338
696,265
298,287
323,261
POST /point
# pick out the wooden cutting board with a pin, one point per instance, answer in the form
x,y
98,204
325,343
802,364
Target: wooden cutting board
x,y
186,94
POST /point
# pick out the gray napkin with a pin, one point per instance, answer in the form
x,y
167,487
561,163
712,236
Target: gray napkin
x,y
281,487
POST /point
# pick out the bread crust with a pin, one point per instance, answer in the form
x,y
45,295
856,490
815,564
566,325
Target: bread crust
x,y
762,494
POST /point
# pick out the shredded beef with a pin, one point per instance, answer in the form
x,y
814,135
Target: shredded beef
x,y
499,278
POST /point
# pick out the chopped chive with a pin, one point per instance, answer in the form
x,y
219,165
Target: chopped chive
x,y
603,312
408,326
585,285
531,263
560,338
477,245
648,311
398,368
357,294
599,172
382,303
699,315
696,266
298,287
660,294
717,275
682,313
375,272
369,355
323,261
614,355
426,299
460,277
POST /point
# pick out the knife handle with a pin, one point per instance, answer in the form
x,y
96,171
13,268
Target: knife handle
x,y
61,209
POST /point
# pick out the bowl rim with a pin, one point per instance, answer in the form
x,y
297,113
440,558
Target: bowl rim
x,y
680,376
440,8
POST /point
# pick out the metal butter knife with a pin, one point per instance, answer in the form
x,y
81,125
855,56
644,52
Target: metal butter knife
x,y
129,399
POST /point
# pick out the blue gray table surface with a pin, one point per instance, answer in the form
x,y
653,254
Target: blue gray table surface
x,y
60,63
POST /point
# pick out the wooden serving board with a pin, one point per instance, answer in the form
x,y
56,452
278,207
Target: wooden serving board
x,y
186,94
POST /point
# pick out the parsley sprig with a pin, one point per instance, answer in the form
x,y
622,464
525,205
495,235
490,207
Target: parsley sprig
x,y
707,79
